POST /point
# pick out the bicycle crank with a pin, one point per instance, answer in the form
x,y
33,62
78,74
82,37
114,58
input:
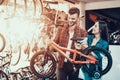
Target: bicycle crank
x,y
96,74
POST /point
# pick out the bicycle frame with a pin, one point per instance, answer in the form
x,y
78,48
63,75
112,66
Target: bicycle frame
x,y
90,59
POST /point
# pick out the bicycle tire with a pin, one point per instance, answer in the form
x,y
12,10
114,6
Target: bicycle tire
x,y
15,3
3,42
38,4
3,75
34,2
47,64
41,5
18,58
104,54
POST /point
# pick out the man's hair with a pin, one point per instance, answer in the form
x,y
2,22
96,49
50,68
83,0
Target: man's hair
x,y
74,10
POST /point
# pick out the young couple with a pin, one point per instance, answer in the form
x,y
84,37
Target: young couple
x,y
63,37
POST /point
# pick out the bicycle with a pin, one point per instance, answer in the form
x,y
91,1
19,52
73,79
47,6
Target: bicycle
x,y
3,64
43,63
13,50
3,75
20,7
15,54
115,37
22,73
2,42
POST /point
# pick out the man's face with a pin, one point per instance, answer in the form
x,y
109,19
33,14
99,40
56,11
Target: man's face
x,y
72,19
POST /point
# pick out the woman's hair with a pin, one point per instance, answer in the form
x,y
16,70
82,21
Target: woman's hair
x,y
103,30
74,10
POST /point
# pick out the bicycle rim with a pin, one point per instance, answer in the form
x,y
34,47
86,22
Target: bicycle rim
x,y
35,8
38,10
2,42
16,56
103,65
43,66
3,75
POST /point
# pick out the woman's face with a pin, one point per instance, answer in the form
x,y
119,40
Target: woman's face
x,y
96,29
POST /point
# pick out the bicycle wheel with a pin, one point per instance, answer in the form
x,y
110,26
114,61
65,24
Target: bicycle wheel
x,y
35,8
2,42
103,64
16,55
42,64
41,6
3,75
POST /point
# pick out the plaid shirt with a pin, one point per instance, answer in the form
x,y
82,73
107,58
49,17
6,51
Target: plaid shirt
x,y
62,38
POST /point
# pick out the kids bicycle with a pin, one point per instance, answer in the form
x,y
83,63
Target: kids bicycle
x,y
43,63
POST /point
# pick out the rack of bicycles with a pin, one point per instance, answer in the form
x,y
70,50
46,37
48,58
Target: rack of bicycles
x,y
22,73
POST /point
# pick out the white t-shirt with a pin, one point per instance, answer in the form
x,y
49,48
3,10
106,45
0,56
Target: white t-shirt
x,y
69,44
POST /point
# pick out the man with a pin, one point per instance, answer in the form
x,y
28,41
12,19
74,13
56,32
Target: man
x,y
63,38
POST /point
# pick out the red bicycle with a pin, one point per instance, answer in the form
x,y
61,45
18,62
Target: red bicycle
x,y
43,63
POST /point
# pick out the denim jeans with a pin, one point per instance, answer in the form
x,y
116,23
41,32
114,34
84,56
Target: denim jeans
x,y
67,72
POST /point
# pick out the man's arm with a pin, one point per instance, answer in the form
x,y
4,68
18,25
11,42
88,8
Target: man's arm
x,y
57,37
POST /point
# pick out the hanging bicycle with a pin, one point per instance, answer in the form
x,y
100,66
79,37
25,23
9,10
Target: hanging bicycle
x,y
2,42
4,62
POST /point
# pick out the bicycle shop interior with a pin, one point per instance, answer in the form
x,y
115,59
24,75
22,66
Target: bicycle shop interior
x,y
24,30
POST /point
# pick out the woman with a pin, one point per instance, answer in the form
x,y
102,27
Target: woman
x,y
99,37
